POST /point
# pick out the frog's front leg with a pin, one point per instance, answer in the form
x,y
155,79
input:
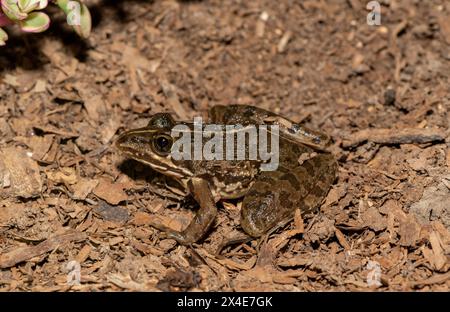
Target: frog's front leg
x,y
203,219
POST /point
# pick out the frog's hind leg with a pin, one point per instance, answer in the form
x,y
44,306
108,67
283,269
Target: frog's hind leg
x,y
275,195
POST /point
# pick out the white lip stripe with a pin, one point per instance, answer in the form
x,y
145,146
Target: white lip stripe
x,y
168,170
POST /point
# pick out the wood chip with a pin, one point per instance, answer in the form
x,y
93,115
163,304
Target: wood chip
x,y
21,254
170,92
40,145
444,25
439,257
95,107
66,175
261,24
40,86
83,254
373,219
341,239
51,129
284,41
395,136
298,221
142,218
115,240
409,231
19,174
83,187
435,279
112,213
113,193
448,158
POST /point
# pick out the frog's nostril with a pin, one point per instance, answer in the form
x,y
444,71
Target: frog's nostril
x,y
119,141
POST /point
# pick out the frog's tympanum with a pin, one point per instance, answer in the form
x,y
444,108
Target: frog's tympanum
x,y
303,177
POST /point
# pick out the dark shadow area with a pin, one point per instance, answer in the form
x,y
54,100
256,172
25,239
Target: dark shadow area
x,y
24,50
128,167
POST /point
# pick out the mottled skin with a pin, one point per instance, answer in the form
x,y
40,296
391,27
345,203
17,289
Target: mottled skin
x,y
270,197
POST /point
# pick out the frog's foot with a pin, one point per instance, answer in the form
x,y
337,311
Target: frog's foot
x,y
180,237
232,241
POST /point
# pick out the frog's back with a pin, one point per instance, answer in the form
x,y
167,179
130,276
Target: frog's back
x,y
251,115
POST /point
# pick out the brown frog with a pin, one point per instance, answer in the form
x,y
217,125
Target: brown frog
x,y
270,198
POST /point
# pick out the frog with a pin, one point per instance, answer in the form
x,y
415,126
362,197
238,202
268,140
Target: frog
x,y
269,197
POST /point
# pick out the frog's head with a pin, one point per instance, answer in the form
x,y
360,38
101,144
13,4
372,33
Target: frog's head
x,y
152,145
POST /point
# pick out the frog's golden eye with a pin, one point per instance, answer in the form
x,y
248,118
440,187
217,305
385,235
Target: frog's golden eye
x,y
162,144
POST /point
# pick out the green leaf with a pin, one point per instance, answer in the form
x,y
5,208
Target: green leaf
x,y
3,37
26,6
42,4
84,28
78,16
36,22
12,10
63,5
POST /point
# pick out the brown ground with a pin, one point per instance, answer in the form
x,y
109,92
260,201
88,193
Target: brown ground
x,y
66,195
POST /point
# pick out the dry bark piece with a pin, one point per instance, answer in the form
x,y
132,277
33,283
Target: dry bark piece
x,y
40,86
448,158
395,136
444,25
83,188
95,107
179,280
298,222
133,59
170,91
261,24
373,219
281,47
142,218
439,259
299,260
19,174
115,240
51,129
409,231
113,193
6,132
320,231
83,254
21,254
40,145
341,239
66,175
126,282
109,129
335,194
112,213
434,205
435,279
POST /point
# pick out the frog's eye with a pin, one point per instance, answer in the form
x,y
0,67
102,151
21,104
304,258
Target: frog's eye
x,y
162,144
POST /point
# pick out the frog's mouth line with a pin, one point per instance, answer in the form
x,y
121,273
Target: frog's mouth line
x,y
154,163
